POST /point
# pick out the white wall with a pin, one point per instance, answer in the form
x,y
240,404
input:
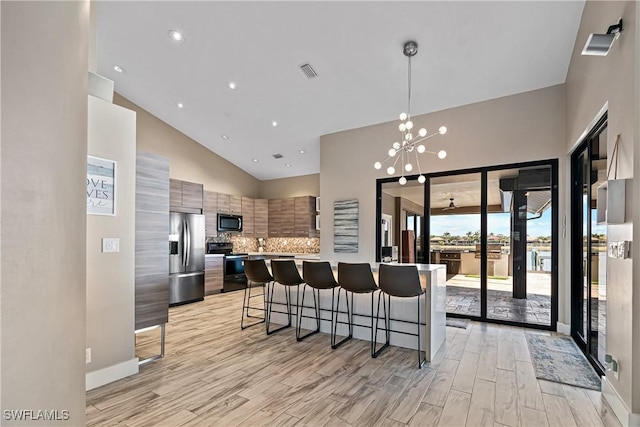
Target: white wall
x,y
518,128
591,83
111,276
44,148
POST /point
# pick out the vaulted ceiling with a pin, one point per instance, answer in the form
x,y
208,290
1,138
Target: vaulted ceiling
x,y
468,52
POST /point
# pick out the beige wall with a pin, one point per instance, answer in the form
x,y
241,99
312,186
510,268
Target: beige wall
x,y
110,276
304,185
44,133
524,127
189,161
591,83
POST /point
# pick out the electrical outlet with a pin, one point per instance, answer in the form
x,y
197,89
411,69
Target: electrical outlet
x,y
87,355
110,244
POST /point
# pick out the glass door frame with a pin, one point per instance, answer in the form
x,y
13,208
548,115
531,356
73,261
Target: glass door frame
x,y
553,164
576,244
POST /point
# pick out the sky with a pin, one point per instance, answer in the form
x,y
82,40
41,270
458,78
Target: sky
x,y
498,223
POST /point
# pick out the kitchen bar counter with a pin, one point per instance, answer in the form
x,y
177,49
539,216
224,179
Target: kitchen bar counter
x,y
213,255
432,311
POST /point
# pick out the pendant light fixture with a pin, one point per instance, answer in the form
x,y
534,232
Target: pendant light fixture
x,y
409,143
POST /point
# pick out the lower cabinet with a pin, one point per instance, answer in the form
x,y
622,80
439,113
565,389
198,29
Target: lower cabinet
x,y
213,274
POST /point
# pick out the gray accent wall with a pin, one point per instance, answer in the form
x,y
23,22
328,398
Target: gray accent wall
x,y
43,199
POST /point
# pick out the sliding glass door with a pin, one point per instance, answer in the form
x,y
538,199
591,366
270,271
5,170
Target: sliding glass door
x,y
495,230
589,246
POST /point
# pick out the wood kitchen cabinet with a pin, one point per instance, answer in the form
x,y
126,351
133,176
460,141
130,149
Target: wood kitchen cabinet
x,y
235,205
213,274
288,227
261,217
185,196
305,216
210,211
248,217
223,203
275,217
151,246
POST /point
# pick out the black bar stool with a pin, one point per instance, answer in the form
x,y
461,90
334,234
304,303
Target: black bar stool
x,y
257,276
398,281
286,273
355,278
318,276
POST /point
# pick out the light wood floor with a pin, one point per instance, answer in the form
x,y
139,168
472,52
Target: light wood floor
x,y
216,374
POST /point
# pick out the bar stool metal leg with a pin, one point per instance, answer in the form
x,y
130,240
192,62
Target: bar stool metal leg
x,y
246,305
376,352
421,360
270,308
299,313
334,324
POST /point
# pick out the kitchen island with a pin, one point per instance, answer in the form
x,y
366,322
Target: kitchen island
x,y
403,310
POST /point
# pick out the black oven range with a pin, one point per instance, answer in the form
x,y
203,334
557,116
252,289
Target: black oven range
x,y
234,277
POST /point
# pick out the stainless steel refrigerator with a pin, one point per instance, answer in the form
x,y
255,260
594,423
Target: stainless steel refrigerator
x,y
186,258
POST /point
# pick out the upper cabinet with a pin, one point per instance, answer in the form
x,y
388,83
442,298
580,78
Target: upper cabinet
x,y
185,196
305,217
289,217
261,217
210,211
223,203
292,217
288,226
275,217
248,217
235,205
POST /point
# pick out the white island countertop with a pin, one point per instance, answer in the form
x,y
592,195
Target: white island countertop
x,y
432,312
287,254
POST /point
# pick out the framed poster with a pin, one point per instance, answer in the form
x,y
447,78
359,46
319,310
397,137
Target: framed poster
x,y
101,186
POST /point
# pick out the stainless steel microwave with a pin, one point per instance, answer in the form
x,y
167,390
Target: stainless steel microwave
x,y
229,222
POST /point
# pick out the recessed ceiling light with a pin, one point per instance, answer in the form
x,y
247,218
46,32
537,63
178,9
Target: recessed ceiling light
x,y
274,123
176,36
180,105
119,69
224,137
232,85
301,151
288,165
254,160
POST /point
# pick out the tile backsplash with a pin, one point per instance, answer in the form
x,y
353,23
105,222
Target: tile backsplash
x,y
297,245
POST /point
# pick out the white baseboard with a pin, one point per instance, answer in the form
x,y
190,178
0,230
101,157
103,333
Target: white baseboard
x,y
626,417
563,328
110,374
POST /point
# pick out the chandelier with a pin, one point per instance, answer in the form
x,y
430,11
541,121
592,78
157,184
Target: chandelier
x,y
409,143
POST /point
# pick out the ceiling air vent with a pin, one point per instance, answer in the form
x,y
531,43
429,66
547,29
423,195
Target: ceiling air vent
x,y
308,72
278,156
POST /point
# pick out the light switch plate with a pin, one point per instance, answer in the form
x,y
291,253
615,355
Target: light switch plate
x,y
110,244
613,249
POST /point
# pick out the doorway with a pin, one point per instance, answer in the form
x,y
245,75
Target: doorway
x,y
589,247
495,229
